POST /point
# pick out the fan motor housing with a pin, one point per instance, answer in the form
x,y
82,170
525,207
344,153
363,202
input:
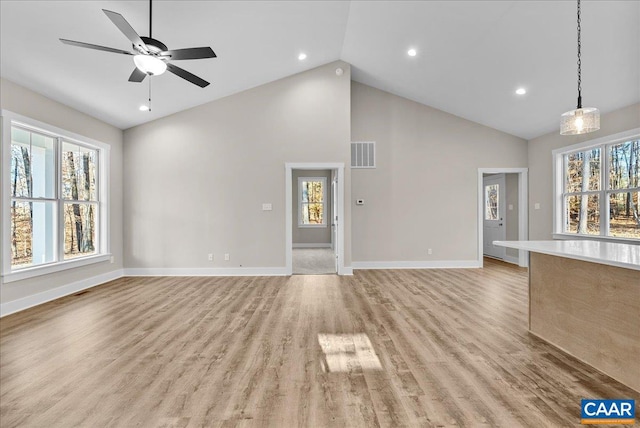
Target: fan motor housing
x,y
154,46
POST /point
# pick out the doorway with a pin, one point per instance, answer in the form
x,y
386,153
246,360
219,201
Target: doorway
x,y
494,217
502,213
314,211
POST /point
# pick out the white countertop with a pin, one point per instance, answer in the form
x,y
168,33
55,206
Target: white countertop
x,y
608,253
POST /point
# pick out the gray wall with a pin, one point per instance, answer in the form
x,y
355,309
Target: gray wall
x,y
541,168
20,100
423,193
311,235
196,180
511,195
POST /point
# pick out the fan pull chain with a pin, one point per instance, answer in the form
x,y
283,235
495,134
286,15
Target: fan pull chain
x,y
149,93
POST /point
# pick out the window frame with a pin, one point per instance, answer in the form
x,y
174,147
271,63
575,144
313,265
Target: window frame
x,y
324,202
559,193
103,250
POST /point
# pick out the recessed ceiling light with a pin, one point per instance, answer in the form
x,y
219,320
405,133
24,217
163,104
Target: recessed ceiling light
x,y
302,56
412,52
143,108
521,91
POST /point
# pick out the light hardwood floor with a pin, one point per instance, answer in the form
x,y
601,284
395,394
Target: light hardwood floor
x,y
381,348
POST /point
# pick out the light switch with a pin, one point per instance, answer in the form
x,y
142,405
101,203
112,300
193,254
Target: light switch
x,y
266,207
510,207
536,206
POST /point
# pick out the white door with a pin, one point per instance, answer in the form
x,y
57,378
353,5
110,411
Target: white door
x,y
494,214
334,215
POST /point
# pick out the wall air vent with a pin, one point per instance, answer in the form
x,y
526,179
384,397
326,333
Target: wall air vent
x,y
363,154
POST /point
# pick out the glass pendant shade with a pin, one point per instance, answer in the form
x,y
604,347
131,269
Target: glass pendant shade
x,y
580,121
150,64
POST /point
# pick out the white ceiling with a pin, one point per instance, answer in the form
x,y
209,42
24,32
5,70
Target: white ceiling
x,y
472,55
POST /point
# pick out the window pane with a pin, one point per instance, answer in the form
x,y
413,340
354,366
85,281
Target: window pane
x,y
79,230
583,164
32,164
582,214
624,220
624,165
316,193
79,171
491,202
32,233
312,213
312,191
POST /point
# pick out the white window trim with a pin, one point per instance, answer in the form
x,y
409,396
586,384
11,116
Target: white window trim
x,y
324,202
104,254
558,185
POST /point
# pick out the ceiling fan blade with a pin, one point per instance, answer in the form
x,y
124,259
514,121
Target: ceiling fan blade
x,y
137,75
96,47
189,53
126,29
187,76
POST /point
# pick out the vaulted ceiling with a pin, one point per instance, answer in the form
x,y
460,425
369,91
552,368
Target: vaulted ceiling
x,y
471,55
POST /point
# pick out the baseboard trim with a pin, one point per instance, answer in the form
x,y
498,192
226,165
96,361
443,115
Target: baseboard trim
x,y
238,271
435,264
347,271
512,260
18,305
312,245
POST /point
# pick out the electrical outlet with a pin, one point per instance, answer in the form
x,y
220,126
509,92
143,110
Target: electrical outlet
x,y
113,259
429,251
210,257
226,257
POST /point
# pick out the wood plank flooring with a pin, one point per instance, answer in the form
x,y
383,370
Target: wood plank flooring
x,y
382,348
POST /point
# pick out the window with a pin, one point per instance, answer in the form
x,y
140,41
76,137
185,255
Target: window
x,y
312,201
491,201
598,188
56,203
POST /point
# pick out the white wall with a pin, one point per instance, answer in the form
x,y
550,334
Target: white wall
x,y
423,193
196,180
541,168
511,218
27,103
311,235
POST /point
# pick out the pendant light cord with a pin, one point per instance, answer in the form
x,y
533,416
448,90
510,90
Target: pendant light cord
x,y
579,61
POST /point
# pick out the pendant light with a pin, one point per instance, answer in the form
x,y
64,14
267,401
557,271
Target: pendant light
x,y
581,120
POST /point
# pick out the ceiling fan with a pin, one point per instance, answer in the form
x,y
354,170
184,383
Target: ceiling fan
x,y
150,56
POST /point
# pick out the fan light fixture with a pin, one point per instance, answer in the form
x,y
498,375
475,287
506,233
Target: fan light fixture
x,y
581,120
150,64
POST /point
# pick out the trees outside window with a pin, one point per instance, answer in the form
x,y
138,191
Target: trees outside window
x,y
55,203
312,201
600,190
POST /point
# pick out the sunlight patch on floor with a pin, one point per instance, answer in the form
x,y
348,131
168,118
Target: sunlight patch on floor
x,y
348,352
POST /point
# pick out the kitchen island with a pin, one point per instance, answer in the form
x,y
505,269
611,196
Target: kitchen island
x,y
584,298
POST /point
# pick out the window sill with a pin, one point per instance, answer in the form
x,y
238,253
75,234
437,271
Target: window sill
x,y
31,272
568,236
312,226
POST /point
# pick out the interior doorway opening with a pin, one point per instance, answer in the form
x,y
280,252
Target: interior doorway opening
x,y
502,213
314,212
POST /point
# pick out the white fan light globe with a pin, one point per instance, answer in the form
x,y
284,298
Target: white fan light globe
x,y
150,64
